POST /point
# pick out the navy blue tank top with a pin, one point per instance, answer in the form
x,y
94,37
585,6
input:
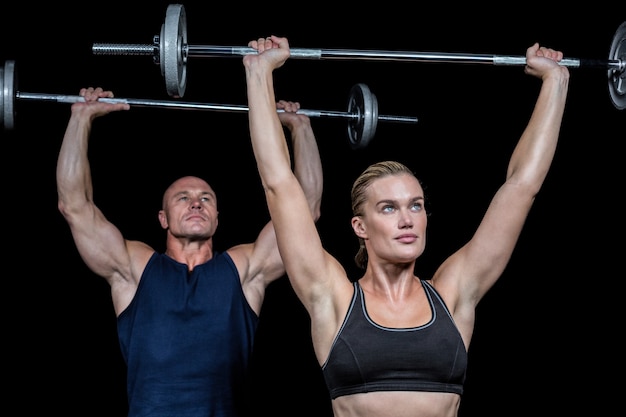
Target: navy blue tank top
x,y
187,339
368,357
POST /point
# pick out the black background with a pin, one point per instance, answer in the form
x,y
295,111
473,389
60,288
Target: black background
x,y
546,338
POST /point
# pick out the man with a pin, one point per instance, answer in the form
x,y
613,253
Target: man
x,y
187,317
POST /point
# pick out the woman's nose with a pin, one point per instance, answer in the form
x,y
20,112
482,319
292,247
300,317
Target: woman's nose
x,y
405,219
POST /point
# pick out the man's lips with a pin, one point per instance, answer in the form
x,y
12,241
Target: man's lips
x,y
195,217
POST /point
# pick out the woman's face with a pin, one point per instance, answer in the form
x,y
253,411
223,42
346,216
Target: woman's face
x,y
394,219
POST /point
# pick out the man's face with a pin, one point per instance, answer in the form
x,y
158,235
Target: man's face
x,y
189,209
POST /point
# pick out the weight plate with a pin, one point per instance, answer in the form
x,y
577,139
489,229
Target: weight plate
x,y
617,78
363,104
173,41
8,80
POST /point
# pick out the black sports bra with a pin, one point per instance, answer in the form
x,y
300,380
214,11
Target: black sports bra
x,y
368,357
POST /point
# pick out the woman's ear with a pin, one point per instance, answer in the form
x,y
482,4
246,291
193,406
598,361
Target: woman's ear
x,y
359,227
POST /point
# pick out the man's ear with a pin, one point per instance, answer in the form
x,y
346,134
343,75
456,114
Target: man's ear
x,y
163,219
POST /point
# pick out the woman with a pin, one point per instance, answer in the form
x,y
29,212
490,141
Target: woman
x,y
392,343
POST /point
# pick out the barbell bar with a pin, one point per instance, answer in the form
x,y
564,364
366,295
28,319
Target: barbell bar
x,y
362,114
171,51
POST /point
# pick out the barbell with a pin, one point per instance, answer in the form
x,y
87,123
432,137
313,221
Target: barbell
x,y
171,51
362,114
